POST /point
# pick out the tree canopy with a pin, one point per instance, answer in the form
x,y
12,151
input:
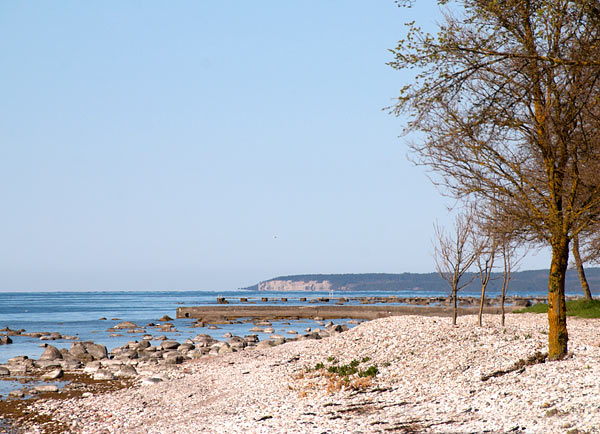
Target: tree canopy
x,y
507,95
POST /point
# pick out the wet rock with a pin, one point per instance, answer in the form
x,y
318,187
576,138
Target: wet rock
x,y
5,340
166,318
4,371
16,394
126,325
51,353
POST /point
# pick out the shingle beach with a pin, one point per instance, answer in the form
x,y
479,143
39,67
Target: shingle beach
x,y
431,378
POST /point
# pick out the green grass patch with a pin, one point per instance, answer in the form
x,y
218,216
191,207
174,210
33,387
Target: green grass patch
x,y
351,368
580,308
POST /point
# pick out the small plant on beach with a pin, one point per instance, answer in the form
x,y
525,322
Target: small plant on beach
x,y
336,377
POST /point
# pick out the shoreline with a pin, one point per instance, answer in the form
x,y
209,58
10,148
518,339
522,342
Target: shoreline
x,y
430,379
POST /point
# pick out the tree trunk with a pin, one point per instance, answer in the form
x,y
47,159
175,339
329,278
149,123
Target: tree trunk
x,y
557,311
503,298
481,301
579,264
454,305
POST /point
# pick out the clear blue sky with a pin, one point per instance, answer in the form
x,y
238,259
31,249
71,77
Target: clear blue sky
x,y
205,144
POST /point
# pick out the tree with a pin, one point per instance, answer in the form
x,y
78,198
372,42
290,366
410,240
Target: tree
x,y
510,260
454,255
507,99
585,286
486,246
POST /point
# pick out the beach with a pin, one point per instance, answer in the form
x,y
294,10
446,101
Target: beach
x,y
430,377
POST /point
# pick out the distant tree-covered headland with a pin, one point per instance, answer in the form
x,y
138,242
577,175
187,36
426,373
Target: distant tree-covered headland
x,y
533,281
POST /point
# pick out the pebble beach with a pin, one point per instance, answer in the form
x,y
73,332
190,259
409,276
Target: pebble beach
x,y
431,377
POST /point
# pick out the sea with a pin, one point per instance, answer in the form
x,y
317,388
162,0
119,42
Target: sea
x,y
88,315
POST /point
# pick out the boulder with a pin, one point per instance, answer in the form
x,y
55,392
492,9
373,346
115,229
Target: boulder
x,y
127,371
126,325
53,375
103,374
46,388
48,364
166,318
5,340
97,351
16,394
4,372
170,345
51,353
173,358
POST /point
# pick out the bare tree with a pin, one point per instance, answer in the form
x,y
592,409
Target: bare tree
x,y
585,286
510,262
507,101
486,245
454,255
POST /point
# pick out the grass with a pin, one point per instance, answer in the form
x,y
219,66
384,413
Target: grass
x,y
580,308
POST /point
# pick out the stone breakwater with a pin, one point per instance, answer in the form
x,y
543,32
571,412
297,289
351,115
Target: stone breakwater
x,y
429,377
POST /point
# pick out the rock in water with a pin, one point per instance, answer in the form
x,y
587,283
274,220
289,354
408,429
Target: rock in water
x,y
51,353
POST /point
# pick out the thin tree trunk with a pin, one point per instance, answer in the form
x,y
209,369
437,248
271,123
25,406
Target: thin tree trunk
x,y
455,307
502,298
481,302
579,264
557,311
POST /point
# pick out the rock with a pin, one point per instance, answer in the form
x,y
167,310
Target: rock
x,y
169,345
91,367
70,364
166,318
184,348
103,374
53,375
126,325
144,343
4,371
151,381
292,332
16,394
127,371
266,344
269,330
227,335
51,353
173,358
46,388
97,351
5,340
47,364
257,329
102,319
225,349
251,339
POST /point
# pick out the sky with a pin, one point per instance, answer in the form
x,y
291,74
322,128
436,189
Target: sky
x,y
196,145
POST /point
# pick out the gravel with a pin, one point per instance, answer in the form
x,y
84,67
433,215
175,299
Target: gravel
x,y
429,380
